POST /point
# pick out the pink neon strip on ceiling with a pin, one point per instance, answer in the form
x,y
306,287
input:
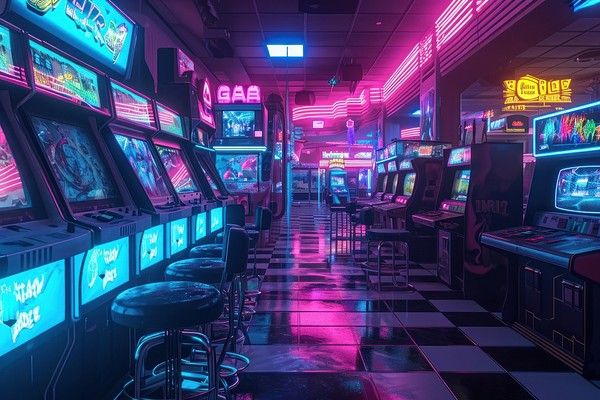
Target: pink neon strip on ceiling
x,y
451,21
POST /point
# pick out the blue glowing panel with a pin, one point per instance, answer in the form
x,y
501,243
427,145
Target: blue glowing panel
x,y
579,5
216,219
567,131
96,27
179,236
101,270
7,65
201,230
460,156
152,246
31,303
578,189
392,167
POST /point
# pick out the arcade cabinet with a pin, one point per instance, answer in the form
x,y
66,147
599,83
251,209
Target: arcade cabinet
x,y
387,176
481,190
337,180
554,259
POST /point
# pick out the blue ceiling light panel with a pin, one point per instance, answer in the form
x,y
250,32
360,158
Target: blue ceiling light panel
x,y
579,5
286,50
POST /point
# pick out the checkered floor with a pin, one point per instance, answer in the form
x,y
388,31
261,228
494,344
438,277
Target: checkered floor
x,y
321,333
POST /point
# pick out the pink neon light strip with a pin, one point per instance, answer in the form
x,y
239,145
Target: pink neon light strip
x,y
410,133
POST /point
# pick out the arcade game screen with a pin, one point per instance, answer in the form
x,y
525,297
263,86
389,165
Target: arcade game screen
x,y
140,157
460,187
239,124
238,171
578,189
409,184
177,169
12,191
337,182
73,156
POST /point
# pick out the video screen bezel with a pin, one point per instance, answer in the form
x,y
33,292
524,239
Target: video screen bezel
x,y
185,160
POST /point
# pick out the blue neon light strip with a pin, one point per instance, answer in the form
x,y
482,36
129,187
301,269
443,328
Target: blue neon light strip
x,y
31,303
579,5
240,148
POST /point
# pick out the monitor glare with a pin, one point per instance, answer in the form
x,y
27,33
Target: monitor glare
x,y
12,192
238,171
239,124
459,156
578,189
409,184
72,153
177,169
142,161
385,181
460,187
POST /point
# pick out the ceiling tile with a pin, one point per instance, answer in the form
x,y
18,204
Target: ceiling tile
x,y
384,6
368,22
282,22
331,23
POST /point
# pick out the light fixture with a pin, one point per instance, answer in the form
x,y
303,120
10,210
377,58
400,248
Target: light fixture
x,y
416,113
259,149
378,23
285,50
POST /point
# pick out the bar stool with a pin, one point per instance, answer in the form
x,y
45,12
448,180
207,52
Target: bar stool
x,y
391,238
365,217
227,274
235,214
169,308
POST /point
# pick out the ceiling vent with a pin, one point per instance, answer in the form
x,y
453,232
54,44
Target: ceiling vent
x,y
328,6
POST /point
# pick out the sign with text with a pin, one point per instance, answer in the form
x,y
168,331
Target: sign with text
x,y
205,105
529,92
31,303
238,94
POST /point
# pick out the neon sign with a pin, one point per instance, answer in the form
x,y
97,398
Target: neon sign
x,y
334,154
337,163
179,236
205,106
201,230
460,156
152,247
96,27
100,270
31,303
530,92
237,94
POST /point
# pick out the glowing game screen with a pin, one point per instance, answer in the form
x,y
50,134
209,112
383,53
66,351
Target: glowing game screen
x,y
178,235
380,169
152,246
97,27
12,191
460,156
239,124
337,181
238,171
576,129
169,121
409,184
81,173
140,157
31,303
392,166
406,164
7,64
201,226
177,169
216,219
578,189
460,187
55,73
130,106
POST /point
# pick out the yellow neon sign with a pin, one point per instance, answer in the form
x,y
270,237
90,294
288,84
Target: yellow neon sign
x,y
530,92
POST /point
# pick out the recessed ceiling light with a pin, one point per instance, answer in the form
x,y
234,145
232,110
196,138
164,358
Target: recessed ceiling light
x,y
285,50
378,23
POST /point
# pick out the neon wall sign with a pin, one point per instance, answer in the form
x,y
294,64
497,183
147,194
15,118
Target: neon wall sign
x,y
238,94
64,77
216,219
201,226
205,106
31,303
529,92
334,154
460,156
96,27
152,246
130,106
7,65
178,236
99,271
169,121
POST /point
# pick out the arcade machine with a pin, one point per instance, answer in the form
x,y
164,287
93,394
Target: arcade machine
x,y
338,185
420,174
481,190
192,98
37,243
386,157
554,259
240,146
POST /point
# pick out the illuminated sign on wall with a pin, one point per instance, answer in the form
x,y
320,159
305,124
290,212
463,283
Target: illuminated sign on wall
x,y
529,92
216,219
201,228
31,303
336,163
100,270
96,27
205,106
152,246
334,154
318,124
364,155
237,94
179,236
517,124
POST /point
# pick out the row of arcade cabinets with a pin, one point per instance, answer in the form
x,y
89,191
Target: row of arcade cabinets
x,y
553,259
99,186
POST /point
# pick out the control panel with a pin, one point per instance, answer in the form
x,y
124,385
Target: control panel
x,y
584,225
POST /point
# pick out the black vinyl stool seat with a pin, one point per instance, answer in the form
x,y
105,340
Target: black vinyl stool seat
x,y
169,308
387,235
205,270
392,238
206,250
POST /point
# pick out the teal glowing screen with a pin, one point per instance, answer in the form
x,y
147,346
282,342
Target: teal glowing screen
x,y
152,246
7,64
96,27
179,240
31,303
169,121
216,219
201,230
100,270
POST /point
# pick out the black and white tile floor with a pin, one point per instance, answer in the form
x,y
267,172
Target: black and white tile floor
x,y
320,333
